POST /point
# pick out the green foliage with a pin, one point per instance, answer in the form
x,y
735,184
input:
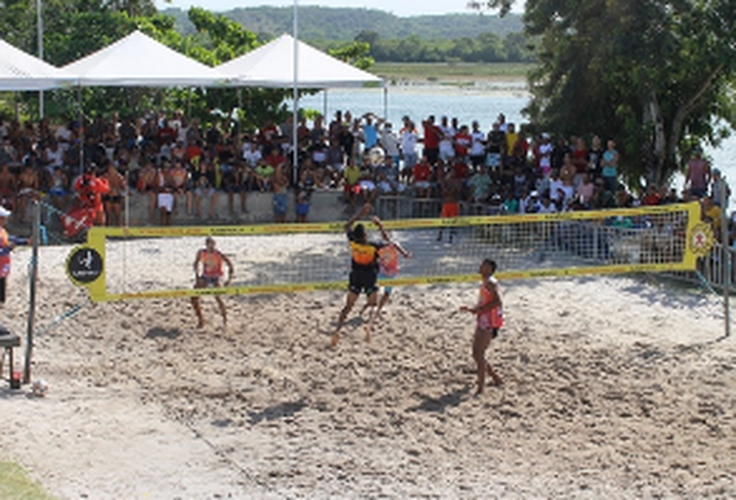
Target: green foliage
x,y
74,29
455,37
355,53
343,24
649,73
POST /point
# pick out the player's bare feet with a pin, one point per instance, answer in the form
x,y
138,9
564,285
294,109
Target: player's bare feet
x,y
200,324
497,381
368,334
335,339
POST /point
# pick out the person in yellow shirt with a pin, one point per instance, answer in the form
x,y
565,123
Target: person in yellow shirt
x,y
710,212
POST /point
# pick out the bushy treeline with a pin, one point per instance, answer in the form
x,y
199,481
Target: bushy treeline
x,y
444,38
484,48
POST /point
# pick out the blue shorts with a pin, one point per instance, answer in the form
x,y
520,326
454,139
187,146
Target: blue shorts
x,y
302,208
386,289
280,203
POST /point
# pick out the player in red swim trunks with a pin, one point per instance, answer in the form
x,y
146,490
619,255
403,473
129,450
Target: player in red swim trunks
x,y
489,319
208,273
388,268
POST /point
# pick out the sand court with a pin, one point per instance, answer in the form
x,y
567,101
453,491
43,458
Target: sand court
x,y
613,386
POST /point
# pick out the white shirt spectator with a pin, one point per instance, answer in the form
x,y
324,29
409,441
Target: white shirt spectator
x,y
477,148
390,143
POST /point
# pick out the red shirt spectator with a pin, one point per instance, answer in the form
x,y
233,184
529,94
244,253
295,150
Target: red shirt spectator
x,y
421,171
463,141
432,134
652,197
462,170
275,159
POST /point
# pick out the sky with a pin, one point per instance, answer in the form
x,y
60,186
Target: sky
x,y
401,8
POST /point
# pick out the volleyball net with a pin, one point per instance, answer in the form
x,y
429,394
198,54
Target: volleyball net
x,y
156,262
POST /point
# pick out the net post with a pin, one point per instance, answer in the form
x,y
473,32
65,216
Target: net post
x,y
726,261
33,275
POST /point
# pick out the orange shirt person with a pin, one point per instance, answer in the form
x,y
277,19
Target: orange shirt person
x,y
90,189
208,271
489,319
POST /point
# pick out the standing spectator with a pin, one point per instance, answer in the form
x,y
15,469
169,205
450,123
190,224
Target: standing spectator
x,y
447,140
280,199
408,137
90,189
609,167
719,188
462,142
432,136
477,150
28,183
595,157
697,178
370,132
303,194
496,145
451,193
545,155
7,244
113,199
390,143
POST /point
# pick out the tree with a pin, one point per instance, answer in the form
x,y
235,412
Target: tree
x,y
355,53
651,73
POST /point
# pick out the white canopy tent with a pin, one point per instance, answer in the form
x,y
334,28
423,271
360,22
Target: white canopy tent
x,y
289,63
140,61
22,71
273,65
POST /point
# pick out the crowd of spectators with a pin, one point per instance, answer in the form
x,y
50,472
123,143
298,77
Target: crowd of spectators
x,y
184,166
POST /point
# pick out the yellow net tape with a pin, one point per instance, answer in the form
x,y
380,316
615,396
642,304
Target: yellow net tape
x,y
651,239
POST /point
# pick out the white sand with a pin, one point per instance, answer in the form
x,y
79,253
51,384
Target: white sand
x,y
614,387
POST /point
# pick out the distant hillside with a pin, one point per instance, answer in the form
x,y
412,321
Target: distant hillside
x,y
340,24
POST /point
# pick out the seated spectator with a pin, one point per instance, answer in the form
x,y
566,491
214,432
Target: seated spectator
x,y
350,186
58,190
480,185
421,174
368,188
8,187
623,197
181,184
28,184
651,198
264,173
546,205
585,190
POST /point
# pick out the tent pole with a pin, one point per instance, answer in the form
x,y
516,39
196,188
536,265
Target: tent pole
x,y
294,145
81,131
385,102
324,105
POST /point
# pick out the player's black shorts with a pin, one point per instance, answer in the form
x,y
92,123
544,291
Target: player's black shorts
x,y
363,281
2,290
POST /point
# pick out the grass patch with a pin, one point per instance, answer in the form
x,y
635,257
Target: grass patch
x,y
16,485
452,71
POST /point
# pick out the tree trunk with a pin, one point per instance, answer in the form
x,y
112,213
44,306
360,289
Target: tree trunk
x,y
668,163
659,145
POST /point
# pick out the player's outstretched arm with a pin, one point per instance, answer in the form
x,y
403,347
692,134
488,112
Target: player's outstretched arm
x,y
365,210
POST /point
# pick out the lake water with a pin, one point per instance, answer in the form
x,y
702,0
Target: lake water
x,y
467,104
